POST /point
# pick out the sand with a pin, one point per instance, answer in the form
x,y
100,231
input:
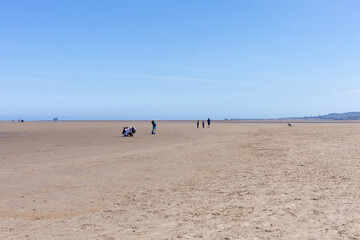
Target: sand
x,y
83,180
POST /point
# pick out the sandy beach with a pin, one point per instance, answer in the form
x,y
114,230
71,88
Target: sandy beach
x,y
83,180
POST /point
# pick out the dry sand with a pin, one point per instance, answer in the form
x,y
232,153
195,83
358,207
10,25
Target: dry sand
x,y
82,180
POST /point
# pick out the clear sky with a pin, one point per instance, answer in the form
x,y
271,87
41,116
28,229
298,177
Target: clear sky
x,y
187,59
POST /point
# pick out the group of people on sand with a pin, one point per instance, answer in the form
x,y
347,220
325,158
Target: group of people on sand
x,y
203,123
130,131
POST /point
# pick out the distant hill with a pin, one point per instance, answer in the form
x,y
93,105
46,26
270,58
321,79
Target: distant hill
x,y
342,116
336,116
330,116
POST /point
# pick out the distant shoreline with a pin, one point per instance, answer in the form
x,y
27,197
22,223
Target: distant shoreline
x,y
215,121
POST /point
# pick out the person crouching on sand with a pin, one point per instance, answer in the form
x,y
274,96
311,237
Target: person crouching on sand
x,y
129,131
153,127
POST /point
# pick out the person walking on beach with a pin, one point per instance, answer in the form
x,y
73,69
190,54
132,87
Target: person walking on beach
x,y
197,123
203,124
209,121
153,127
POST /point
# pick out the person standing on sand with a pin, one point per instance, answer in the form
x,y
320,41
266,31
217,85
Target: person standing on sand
x,y
153,127
203,123
197,123
209,121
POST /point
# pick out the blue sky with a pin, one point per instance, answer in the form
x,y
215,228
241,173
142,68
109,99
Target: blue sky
x,y
178,59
